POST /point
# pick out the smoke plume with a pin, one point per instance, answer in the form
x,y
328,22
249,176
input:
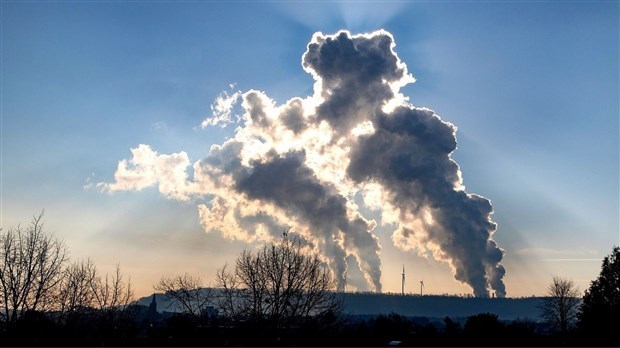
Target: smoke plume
x,y
299,165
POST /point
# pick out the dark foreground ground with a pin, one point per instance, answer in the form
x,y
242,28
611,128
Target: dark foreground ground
x,y
349,331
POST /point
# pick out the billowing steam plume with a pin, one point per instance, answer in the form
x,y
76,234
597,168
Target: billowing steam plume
x,y
301,164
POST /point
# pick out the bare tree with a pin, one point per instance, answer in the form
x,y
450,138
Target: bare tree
x,y
189,293
280,282
31,267
112,294
231,296
561,306
76,293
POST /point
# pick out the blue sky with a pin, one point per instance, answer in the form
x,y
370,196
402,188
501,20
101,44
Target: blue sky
x,y
532,87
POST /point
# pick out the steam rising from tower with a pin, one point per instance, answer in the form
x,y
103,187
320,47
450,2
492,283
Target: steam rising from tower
x,y
301,165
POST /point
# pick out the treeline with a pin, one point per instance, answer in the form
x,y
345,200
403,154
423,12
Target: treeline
x,y
280,295
43,293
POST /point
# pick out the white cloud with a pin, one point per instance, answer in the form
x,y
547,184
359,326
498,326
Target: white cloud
x,y
222,110
147,168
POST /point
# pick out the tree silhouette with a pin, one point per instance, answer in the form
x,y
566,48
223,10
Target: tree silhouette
x,y
75,294
189,292
600,312
483,325
113,295
280,283
451,327
31,267
561,306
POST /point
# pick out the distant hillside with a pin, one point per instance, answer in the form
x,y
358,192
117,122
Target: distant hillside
x,y
441,306
429,306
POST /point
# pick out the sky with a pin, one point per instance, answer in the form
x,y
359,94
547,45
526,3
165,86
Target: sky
x,y
530,87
